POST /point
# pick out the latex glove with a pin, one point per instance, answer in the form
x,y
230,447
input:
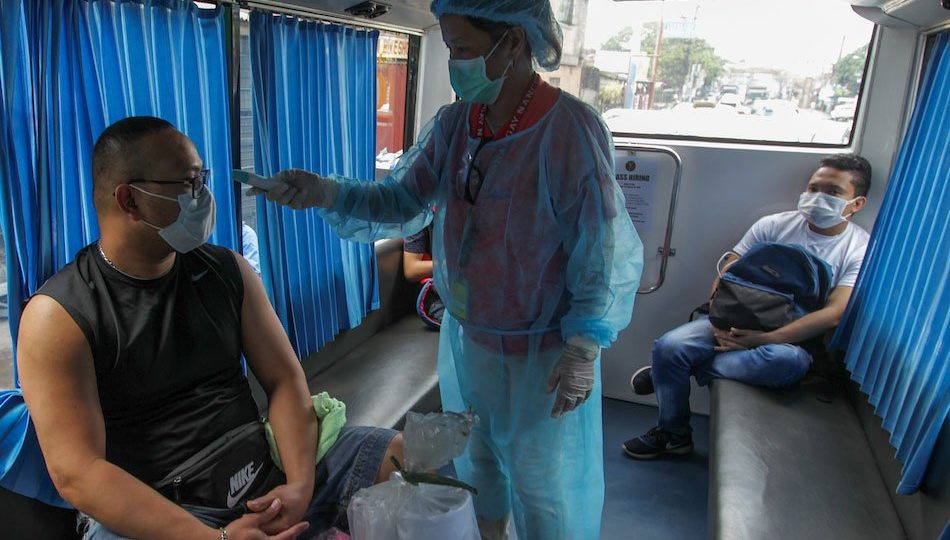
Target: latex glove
x,y
573,376
299,189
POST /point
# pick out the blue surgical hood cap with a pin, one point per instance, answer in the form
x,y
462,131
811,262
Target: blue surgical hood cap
x,y
534,16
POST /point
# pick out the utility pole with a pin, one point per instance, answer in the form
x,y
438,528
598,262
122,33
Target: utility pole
x,y
689,49
656,59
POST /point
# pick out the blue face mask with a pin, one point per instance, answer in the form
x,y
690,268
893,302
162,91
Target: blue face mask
x,y
470,78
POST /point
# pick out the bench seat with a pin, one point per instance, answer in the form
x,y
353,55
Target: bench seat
x,y
784,465
385,377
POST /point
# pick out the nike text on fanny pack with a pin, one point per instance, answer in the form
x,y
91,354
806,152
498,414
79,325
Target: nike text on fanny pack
x,y
240,482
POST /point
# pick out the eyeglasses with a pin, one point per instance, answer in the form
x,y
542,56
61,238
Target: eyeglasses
x,y
471,192
197,183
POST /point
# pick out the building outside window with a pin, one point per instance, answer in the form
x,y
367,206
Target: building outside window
x,y
751,70
392,69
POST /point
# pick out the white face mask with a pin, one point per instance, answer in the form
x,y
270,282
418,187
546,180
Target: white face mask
x,y
194,224
822,210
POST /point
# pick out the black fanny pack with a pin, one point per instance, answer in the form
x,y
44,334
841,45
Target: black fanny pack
x,y
234,468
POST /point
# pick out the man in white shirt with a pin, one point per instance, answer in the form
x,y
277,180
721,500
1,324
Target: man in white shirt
x,y
835,192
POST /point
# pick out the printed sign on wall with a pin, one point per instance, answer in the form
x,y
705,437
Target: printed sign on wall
x,y
637,176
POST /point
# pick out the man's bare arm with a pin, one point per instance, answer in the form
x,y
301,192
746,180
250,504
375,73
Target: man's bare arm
x,y
290,409
59,385
815,323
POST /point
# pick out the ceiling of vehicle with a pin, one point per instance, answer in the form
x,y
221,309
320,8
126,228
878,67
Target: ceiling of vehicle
x,y
923,14
406,13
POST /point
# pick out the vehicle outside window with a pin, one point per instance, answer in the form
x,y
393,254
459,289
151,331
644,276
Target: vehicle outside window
x,y
844,109
6,341
248,204
748,70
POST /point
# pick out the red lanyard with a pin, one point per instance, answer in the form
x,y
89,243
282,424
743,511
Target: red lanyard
x,y
471,192
515,118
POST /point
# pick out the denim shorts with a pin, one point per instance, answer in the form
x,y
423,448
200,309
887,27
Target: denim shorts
x,y
351,464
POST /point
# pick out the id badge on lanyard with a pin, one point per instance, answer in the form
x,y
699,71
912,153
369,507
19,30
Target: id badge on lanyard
x,y
459,284
458,306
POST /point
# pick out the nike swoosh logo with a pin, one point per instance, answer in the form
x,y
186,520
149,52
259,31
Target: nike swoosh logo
x,y
196,277
233,499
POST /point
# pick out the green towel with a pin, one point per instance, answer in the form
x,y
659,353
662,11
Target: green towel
x,y
331,416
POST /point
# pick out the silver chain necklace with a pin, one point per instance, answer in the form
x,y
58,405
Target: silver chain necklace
x,y
112,264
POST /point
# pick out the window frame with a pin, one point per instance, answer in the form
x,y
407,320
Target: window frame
x,y
857,123
6,339
232,32
412,90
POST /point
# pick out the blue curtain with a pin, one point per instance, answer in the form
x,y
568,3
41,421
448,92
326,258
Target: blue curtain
x,y
314,100
896,327
68,69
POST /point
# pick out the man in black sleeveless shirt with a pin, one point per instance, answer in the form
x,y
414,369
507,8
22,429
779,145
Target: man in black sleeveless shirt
x,y
130,361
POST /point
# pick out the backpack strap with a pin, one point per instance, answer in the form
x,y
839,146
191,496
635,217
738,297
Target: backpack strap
x,y
699,312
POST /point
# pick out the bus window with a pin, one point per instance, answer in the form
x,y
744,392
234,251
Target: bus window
x,y
392,70
747,70
392,59
248,204
6,342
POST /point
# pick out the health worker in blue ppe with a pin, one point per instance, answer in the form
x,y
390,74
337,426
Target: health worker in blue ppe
x,y
534,256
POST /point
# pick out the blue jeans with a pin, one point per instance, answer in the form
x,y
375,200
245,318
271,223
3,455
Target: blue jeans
x,y
689,350
351,464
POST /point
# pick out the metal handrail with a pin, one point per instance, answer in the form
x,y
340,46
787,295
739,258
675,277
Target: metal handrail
x,y
665,251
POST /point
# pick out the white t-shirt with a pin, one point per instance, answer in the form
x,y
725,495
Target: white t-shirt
x,y
843,252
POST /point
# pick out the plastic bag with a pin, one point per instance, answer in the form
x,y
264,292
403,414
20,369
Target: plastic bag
x,y
432,440
400,510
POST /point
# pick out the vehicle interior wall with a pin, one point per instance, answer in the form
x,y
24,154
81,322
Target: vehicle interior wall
x,y
726,187
435,90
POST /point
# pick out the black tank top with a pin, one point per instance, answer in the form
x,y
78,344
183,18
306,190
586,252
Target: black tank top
x,y
167,354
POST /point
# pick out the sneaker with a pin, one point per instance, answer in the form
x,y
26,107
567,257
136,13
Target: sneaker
x,y
656,442
642,381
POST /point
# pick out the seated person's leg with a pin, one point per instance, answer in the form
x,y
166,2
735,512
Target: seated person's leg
x,y
93,530
676,355
386,466
358,459
773,365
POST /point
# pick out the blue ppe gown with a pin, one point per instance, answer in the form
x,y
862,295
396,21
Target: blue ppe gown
x,y
546,252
